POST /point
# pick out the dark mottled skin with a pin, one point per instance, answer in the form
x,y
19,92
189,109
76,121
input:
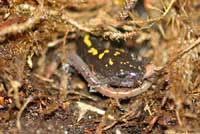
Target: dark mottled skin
x,y
117,75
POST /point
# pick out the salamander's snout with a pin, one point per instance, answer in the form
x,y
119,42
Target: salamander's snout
x,y
128,79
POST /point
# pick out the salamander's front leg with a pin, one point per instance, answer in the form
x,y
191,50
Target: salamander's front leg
x,y
104,89
75,61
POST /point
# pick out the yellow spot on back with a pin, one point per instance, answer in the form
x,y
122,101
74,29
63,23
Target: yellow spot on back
x,y
110,62
102,54
131,65
93,51
116,53
121,50
87,40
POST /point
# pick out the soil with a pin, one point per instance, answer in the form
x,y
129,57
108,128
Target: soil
x,y
40,93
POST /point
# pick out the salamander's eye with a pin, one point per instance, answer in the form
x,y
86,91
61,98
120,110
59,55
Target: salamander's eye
x,y
132,75
121,74
127,75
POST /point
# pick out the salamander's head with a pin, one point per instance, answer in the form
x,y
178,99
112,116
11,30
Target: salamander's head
x,y
127,78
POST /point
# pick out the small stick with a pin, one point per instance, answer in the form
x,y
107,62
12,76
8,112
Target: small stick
x,y
154,19
19,114
128,5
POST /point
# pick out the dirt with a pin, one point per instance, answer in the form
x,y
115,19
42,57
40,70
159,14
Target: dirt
x,y
40,93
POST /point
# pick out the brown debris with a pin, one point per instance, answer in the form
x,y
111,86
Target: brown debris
x,y
39,90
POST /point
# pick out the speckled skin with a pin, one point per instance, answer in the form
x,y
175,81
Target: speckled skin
x,y
125,71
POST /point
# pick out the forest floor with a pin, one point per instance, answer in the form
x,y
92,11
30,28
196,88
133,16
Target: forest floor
x,y
40,93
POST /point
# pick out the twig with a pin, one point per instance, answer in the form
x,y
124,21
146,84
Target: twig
x,y
86,107
179,55
74,23
119,35
128,5
19,114
153,19
23,26
193,45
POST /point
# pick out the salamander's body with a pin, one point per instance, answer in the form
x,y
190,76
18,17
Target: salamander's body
x,y
111,71
113,66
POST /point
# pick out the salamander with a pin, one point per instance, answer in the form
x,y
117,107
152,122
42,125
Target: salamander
x,y
112,71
